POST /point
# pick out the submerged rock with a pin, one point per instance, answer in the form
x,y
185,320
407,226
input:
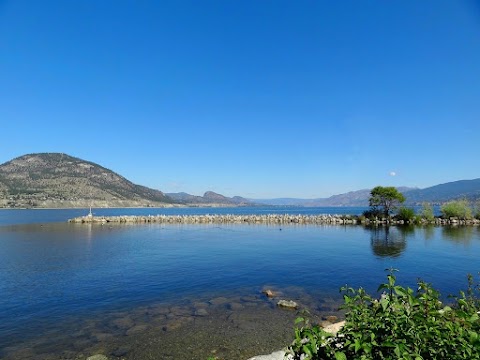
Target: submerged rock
x,y
201,312
136,329
269,293
235,306
218,301
123,323
288,304
120,351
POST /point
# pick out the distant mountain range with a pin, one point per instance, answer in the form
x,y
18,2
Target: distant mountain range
x,y
60,180
209,197
469,189
352,198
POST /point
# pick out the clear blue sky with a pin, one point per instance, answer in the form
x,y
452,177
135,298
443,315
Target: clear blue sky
x,y
264,98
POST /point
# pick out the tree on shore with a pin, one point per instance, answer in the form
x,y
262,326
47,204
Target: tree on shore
x,y
385,199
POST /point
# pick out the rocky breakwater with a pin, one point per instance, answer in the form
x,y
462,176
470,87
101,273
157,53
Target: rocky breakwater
x,y
273,219
269,219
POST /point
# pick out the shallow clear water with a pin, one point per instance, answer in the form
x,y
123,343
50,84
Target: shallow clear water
x,y
55,277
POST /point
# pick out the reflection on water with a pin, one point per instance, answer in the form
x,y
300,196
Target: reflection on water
x,y
460,234
387,241
428,232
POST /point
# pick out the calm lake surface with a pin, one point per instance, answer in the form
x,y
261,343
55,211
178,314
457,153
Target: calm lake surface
x,y
155,291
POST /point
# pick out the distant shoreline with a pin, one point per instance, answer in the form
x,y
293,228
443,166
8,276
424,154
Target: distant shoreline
x,y
167,206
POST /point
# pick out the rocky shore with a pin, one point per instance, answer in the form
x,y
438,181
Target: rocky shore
x,y
269,219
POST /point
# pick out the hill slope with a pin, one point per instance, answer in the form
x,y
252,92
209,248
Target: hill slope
x,y
60,180
469,189
209,198
352,198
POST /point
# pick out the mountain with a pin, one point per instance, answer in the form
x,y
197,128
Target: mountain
x,y
352,198
283,201
469,189
209,198
60,180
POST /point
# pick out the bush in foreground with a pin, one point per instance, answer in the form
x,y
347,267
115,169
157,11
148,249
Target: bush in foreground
x,y
402,324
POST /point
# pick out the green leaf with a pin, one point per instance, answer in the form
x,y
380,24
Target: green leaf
x,y
384,302
400,290
397,351
474,318
307,350
358,345
340,356
299,320
382,286
474,337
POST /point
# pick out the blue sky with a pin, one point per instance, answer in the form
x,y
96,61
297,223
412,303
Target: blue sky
x,y
254,98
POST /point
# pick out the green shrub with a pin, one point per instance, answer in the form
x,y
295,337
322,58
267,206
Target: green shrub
x,y
418,220
427,212
372,214
402,324
406,214
457,208
477,210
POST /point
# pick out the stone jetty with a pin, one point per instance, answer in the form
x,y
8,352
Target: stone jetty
x,y
268,219
274,219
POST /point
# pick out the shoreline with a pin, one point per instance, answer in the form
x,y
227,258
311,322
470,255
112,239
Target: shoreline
x,y
284,355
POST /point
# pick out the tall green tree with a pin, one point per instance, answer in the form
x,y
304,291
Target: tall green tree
x,y
385,199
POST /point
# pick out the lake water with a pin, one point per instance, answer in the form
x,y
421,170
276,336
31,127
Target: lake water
x,y
156,291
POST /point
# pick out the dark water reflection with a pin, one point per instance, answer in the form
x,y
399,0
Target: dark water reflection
x,y
461,234
390,241
71,290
